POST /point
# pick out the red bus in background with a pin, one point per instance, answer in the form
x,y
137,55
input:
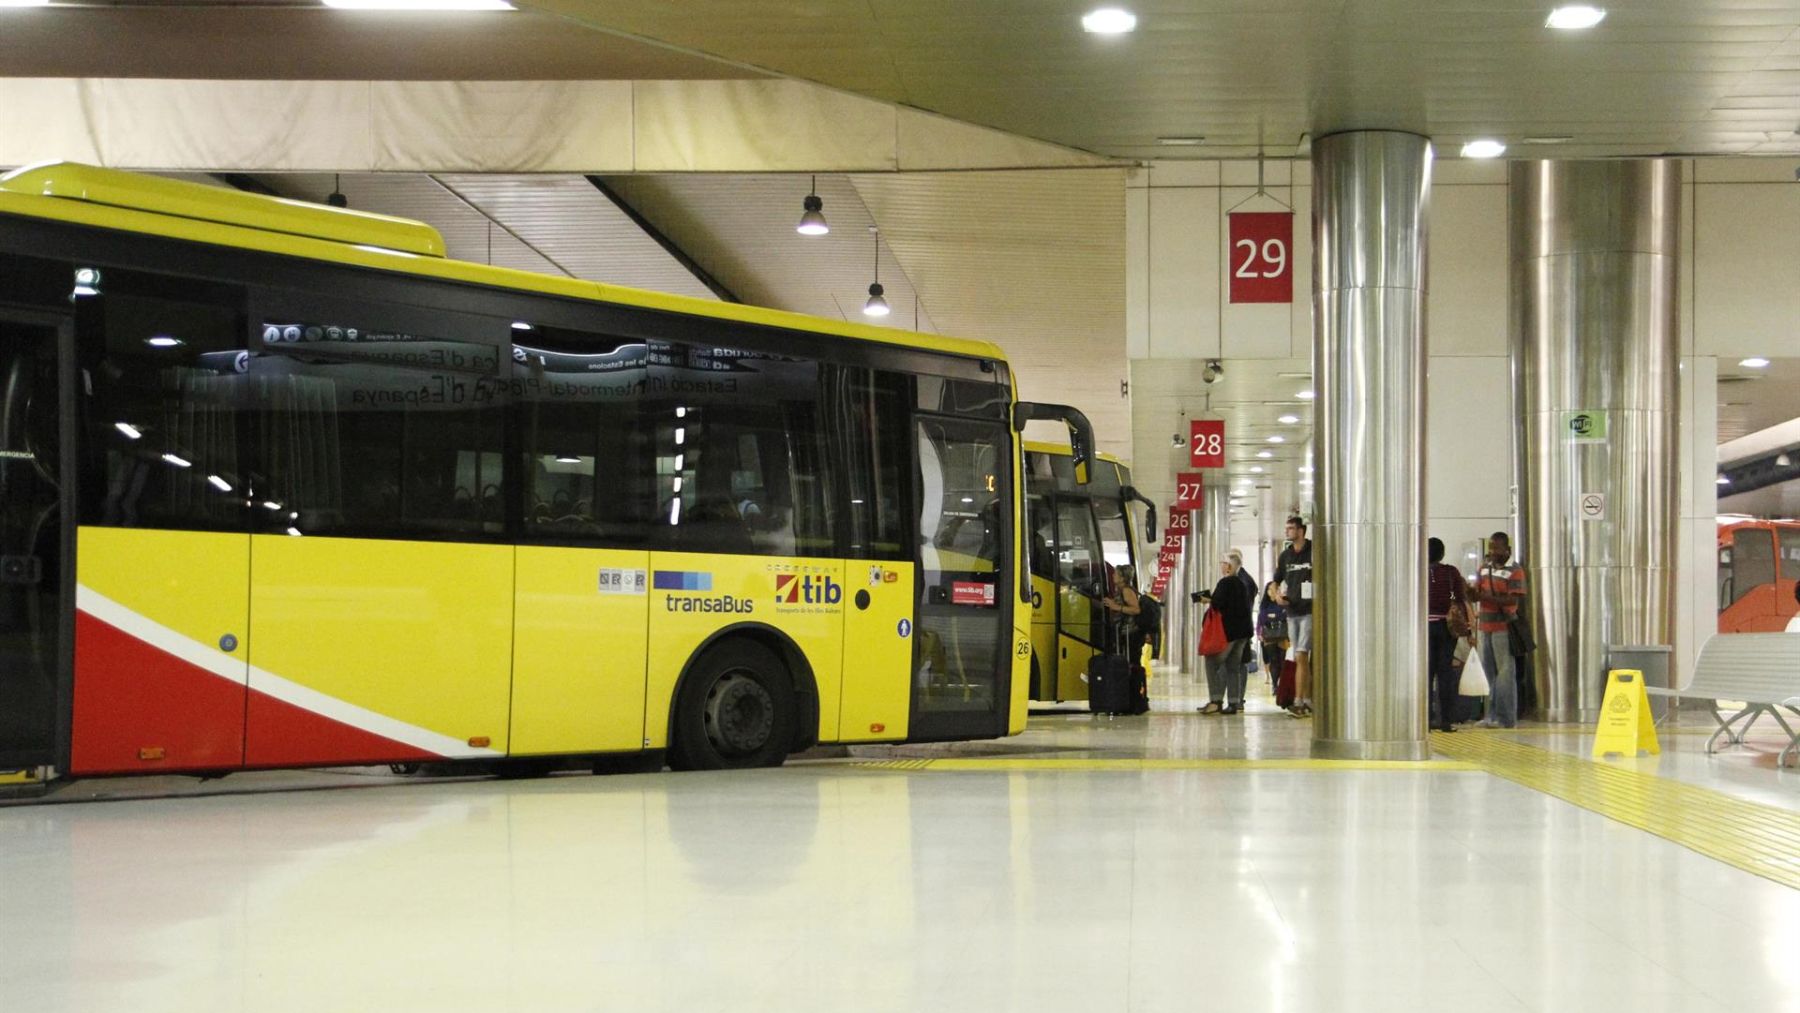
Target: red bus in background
x,y
1759,562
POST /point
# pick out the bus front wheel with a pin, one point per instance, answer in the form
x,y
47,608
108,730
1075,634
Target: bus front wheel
x,y
736,710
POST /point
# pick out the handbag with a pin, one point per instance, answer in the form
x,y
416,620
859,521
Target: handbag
x,y
1474,677
1518,636
1212,634
1457,620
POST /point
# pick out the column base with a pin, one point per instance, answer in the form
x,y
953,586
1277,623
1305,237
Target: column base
x,y
1351,749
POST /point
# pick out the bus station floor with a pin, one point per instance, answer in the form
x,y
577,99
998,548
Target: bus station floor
x,y
1167,862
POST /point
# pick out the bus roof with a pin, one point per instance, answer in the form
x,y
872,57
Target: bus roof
x,y
1063,450
132,202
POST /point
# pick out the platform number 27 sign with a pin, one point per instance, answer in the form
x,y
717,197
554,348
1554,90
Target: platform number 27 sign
x,y
1261,267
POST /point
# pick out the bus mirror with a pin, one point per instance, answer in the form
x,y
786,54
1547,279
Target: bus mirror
x,y
1081,432
1131,493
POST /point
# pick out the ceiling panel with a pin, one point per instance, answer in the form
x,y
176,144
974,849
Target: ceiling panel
x,y
740,228
1240,72
549,224
301,42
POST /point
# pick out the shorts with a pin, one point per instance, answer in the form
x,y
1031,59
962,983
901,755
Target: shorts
x,y
1300,632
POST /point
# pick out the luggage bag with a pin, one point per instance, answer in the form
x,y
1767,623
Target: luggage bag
x,y
1112,685
1284,687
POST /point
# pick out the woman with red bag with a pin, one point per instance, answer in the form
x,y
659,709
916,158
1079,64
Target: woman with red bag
x,y
1225,640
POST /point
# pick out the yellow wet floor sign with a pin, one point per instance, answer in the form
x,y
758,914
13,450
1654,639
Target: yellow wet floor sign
x,y
1626,725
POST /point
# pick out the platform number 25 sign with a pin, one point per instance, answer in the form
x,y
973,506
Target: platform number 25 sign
x,y
1261,264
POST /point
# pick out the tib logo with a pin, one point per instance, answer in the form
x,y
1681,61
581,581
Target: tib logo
x,y
793,589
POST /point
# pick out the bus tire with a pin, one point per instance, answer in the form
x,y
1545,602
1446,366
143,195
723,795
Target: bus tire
x,y
736,709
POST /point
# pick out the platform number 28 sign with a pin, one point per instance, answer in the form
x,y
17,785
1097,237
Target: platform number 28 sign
x,y
1261,261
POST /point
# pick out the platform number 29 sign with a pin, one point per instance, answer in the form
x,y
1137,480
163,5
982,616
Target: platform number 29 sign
x,y
1261,264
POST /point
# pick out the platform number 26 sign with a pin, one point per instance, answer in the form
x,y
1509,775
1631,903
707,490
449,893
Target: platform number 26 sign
x,y
1261,264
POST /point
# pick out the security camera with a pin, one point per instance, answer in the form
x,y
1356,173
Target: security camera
x,y
1178,440
1214,369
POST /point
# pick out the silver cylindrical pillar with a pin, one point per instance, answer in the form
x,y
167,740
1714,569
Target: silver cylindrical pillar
x,y
1190,576
1596,393
1370,191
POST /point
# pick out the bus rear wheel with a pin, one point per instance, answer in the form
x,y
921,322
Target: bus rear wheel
x,y
736,710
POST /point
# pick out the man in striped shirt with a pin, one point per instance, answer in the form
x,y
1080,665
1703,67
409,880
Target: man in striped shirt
x,y
1499,588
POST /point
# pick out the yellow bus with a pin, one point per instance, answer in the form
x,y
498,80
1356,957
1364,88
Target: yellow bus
x,y
281,485
1077,530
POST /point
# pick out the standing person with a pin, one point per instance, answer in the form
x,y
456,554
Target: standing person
x,y
1447,597
1499,588
1225,672
1294,584
1123,604
1271,626
1237,561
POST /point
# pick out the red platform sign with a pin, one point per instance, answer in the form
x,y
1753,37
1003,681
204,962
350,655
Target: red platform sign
x,y
1206,443
1177,528
1190,494
1260,262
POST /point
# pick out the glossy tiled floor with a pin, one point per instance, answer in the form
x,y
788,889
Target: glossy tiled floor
x,y
832,886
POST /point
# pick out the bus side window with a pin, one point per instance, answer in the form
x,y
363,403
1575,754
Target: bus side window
x,y
740,452
163,364
1753,560
379,420
1790,552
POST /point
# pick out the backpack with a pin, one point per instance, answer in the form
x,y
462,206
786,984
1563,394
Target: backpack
x,y
1149,617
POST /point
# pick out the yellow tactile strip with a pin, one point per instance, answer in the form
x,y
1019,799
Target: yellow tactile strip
x,y
1759,839
1058,763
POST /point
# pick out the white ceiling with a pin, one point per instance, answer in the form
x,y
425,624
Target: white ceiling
x,y
1656,77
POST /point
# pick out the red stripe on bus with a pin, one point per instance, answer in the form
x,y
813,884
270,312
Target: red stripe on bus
x,y
283,735
131,698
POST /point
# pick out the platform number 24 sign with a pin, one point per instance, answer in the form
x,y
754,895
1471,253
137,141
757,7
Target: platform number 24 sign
x,y
1261,265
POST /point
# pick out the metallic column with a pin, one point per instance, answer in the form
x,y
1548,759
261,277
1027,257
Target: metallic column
x,y
1594,328
1191,575
1370,192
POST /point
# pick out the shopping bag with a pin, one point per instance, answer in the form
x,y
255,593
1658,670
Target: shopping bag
x,y
1212,634
1474,677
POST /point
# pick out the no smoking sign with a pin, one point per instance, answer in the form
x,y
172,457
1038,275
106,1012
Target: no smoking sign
x,y
1593,506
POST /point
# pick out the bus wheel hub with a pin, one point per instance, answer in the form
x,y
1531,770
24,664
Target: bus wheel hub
x,y
740,714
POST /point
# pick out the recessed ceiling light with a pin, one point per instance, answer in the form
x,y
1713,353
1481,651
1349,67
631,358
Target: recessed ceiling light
x,y
1182,142
1109,21
1306,469
1256,469
1277,439
420,5
24,3
1485,147
1722,480
1289,420
1575,17
1265,454
1549,139
1305,395
1754,362
163,341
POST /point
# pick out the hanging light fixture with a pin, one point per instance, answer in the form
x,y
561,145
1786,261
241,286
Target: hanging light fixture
x,y
336,197
877,306
812,218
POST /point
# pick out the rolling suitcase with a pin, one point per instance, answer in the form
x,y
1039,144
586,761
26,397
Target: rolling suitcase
x,y
1112,685
1284,688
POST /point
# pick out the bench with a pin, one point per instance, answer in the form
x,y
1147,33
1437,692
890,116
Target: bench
x,y
1761,669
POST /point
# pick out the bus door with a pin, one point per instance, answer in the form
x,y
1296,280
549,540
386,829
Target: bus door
x,y
962,660
36,507
163,552
1080,584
